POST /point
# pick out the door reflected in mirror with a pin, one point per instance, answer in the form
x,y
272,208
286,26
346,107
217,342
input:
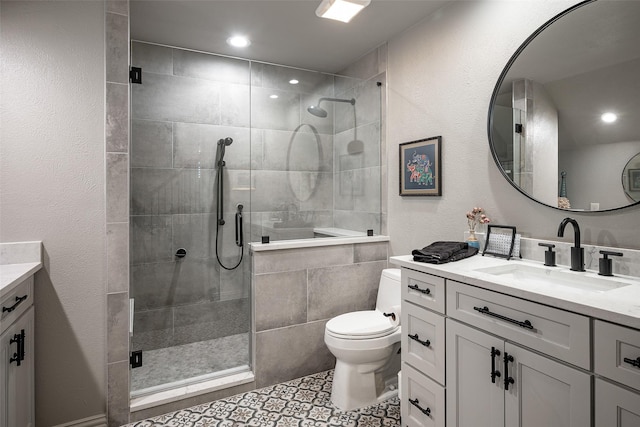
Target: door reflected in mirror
x,y
569,101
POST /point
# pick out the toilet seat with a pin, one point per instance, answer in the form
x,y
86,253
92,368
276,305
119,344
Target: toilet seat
x,y
360,325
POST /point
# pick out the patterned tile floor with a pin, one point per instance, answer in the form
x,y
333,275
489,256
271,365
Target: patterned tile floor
x,y
304,402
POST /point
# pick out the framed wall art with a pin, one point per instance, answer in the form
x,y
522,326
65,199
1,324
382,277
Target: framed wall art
x,y
421,168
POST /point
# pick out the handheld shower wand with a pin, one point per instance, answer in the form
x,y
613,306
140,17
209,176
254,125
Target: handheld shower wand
x,y
220,164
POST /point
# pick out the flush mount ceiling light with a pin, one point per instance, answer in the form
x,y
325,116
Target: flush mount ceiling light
x,y
609,117
341,10
238,41
293,82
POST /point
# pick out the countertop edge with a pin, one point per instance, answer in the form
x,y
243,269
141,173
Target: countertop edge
x,y
11,275
617,308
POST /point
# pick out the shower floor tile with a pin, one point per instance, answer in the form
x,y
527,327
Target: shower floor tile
x,y
303,402
167,365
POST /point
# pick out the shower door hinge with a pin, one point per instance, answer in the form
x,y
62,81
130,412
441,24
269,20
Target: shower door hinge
x,y
135,75
135,359
518,128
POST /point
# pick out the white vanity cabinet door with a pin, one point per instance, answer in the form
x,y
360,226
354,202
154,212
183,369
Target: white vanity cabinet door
x,y
617,353
545,392
472,399
422,400
17,390
423,342
616,406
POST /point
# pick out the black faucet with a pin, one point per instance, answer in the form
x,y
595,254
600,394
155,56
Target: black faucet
x,y
577,253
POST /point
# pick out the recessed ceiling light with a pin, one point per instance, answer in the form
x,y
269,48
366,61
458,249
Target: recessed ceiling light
x,y
238,41
341,10
609,117
294,81
274,96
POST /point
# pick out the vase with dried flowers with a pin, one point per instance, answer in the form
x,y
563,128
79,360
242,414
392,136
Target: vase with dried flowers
x,y
474,217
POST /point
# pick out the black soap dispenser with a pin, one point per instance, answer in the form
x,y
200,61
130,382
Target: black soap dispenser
x,y
549,254
606,264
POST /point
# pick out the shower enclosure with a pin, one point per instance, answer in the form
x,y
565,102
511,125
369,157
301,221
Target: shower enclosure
x,y
225,152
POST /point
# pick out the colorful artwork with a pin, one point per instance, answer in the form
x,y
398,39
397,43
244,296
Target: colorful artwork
x,y
420,167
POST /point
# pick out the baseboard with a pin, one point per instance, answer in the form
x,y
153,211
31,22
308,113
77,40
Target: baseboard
x,y
95,421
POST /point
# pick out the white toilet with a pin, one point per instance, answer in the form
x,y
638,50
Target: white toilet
x,y
366,345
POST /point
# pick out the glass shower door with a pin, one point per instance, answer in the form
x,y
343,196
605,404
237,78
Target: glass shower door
x,y
190,140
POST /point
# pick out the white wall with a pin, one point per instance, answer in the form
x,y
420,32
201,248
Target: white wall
x,y
52,189
602,179
441,74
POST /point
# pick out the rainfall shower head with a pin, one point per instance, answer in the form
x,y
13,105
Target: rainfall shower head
x,y
321,112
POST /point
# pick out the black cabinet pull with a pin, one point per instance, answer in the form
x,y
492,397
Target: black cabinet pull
x,y
417,288
416,403
415,337
485,310
13,307
18,356
634,363
507,379
494,352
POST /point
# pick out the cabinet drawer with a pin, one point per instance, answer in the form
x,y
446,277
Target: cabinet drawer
x,y
423,342
617,353
16,302
422,400
423,289
616,406
558,333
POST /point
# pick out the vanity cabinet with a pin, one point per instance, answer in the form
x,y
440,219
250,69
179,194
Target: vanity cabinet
x,y
17,358
567,364
493,382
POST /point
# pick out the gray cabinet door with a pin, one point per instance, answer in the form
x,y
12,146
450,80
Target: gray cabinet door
x,y
472,399
545,392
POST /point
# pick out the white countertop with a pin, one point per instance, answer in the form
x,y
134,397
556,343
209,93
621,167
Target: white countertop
x,y
621,305
18,260
12,275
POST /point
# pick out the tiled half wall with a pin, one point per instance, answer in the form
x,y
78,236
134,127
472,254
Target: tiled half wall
x,y
296,291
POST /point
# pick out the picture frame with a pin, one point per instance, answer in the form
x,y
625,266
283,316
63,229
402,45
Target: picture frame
x,y
421,167
634,179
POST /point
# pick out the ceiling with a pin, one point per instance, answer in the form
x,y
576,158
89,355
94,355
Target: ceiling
x,y
282,32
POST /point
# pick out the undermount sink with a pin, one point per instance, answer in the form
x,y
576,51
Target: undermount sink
x,y
552,276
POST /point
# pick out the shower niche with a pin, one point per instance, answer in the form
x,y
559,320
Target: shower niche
x,y
225,151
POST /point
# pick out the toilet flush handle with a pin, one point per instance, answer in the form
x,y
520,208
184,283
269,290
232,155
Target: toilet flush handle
x,y
392,315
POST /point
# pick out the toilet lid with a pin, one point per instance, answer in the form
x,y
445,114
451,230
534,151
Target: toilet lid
x,y
361,324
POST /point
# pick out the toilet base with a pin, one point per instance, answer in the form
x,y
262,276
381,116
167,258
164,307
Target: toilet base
x,y
358,386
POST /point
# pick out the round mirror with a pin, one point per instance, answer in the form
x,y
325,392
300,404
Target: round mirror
x,y
564,117
631,178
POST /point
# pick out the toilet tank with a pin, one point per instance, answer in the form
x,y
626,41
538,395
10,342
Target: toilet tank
x,y
389,289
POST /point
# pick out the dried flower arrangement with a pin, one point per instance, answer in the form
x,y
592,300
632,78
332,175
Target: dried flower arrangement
x,y
474,217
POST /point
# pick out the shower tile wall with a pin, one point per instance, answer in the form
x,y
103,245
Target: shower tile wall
x,y
187,102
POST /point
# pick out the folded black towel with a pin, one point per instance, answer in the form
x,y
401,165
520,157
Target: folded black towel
x,y
443,252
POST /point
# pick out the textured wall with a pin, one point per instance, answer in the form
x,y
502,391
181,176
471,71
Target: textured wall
x,y
441,74
52,189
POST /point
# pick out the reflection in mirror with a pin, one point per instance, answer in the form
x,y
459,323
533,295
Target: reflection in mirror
x,y
631,178
568,101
